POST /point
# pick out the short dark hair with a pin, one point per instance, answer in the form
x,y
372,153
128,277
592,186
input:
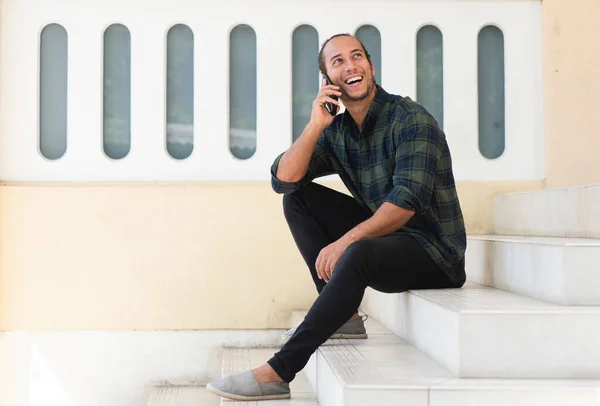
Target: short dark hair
x,y
322,67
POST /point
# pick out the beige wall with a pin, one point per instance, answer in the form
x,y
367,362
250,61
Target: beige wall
x,y
146,257
162,256
572,87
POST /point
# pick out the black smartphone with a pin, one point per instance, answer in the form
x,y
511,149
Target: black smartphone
x,y
331,108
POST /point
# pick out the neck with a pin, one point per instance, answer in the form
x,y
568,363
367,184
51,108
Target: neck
x,y
359,109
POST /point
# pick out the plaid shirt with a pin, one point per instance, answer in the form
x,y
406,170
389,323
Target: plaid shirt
x,y
400,156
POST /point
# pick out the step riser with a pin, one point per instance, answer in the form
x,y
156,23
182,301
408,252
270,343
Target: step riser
x,y
571,212
566,275
310,371
365,397
443,345
329,390
545,347
490,397
518,345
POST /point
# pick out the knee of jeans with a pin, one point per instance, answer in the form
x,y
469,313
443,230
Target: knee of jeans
x,y
356,260
358,253
361,248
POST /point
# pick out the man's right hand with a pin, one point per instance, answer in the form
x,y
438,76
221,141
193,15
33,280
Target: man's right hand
x,y
319,116
295,161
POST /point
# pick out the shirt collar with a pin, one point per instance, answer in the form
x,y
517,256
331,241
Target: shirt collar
x,y
381,97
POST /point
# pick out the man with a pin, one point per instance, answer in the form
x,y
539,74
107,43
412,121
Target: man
x,y
402,229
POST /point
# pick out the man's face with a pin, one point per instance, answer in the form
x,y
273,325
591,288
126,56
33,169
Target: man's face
x,y
347,67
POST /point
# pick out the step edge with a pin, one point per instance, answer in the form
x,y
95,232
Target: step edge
x,y
538,240
545,307
557,189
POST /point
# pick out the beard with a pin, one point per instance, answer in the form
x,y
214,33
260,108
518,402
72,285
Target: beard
x,y
365,94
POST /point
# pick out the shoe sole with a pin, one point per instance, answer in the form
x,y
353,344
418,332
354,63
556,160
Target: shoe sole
x,y
231,396
338,336
350,336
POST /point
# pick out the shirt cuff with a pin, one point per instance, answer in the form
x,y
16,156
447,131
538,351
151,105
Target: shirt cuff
x,y
403,197
278,185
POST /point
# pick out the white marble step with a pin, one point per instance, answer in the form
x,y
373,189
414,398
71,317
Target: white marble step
x,y
559,270
182,396
310,371
386,370
482,332
568,212
242,359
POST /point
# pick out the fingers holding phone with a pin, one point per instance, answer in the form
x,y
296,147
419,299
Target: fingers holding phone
x,y
326,104
331,108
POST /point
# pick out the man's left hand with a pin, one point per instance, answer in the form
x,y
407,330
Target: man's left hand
x,y
329,257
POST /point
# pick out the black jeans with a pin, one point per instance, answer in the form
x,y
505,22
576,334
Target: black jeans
x,y
318,216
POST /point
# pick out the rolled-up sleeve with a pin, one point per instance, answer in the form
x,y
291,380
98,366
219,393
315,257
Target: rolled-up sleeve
x,y
320,165
417,154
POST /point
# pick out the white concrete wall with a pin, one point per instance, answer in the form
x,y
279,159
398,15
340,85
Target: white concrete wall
x,y
273,22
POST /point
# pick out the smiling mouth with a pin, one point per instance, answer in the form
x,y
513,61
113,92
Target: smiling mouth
x,y
354,80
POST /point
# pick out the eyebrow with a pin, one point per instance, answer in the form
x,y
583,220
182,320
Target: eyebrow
x,y
353,51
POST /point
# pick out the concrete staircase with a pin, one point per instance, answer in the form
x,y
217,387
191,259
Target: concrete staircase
x,y
524,330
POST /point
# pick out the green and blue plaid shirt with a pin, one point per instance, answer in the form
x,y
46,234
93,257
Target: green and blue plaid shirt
x,y
400,156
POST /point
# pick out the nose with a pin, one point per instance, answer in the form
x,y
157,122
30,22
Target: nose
x,y
349,65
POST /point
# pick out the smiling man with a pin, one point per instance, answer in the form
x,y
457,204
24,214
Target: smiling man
x,y
401,229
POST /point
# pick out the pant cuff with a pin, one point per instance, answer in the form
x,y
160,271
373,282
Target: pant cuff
x,y
277,366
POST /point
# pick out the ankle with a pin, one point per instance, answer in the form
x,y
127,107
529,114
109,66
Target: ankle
x,y
266,374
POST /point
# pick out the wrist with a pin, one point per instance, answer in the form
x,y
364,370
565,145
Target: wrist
x,y
315,128
351,236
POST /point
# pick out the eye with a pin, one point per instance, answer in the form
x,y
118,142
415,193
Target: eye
x,y
337,60
357,55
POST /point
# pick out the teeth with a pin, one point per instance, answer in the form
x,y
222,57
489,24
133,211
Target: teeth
x,y
353,79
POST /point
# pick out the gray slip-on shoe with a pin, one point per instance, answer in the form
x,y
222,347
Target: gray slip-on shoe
x,y
244,386
352,329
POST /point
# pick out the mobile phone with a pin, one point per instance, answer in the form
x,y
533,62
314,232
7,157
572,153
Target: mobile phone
x,y
331,108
